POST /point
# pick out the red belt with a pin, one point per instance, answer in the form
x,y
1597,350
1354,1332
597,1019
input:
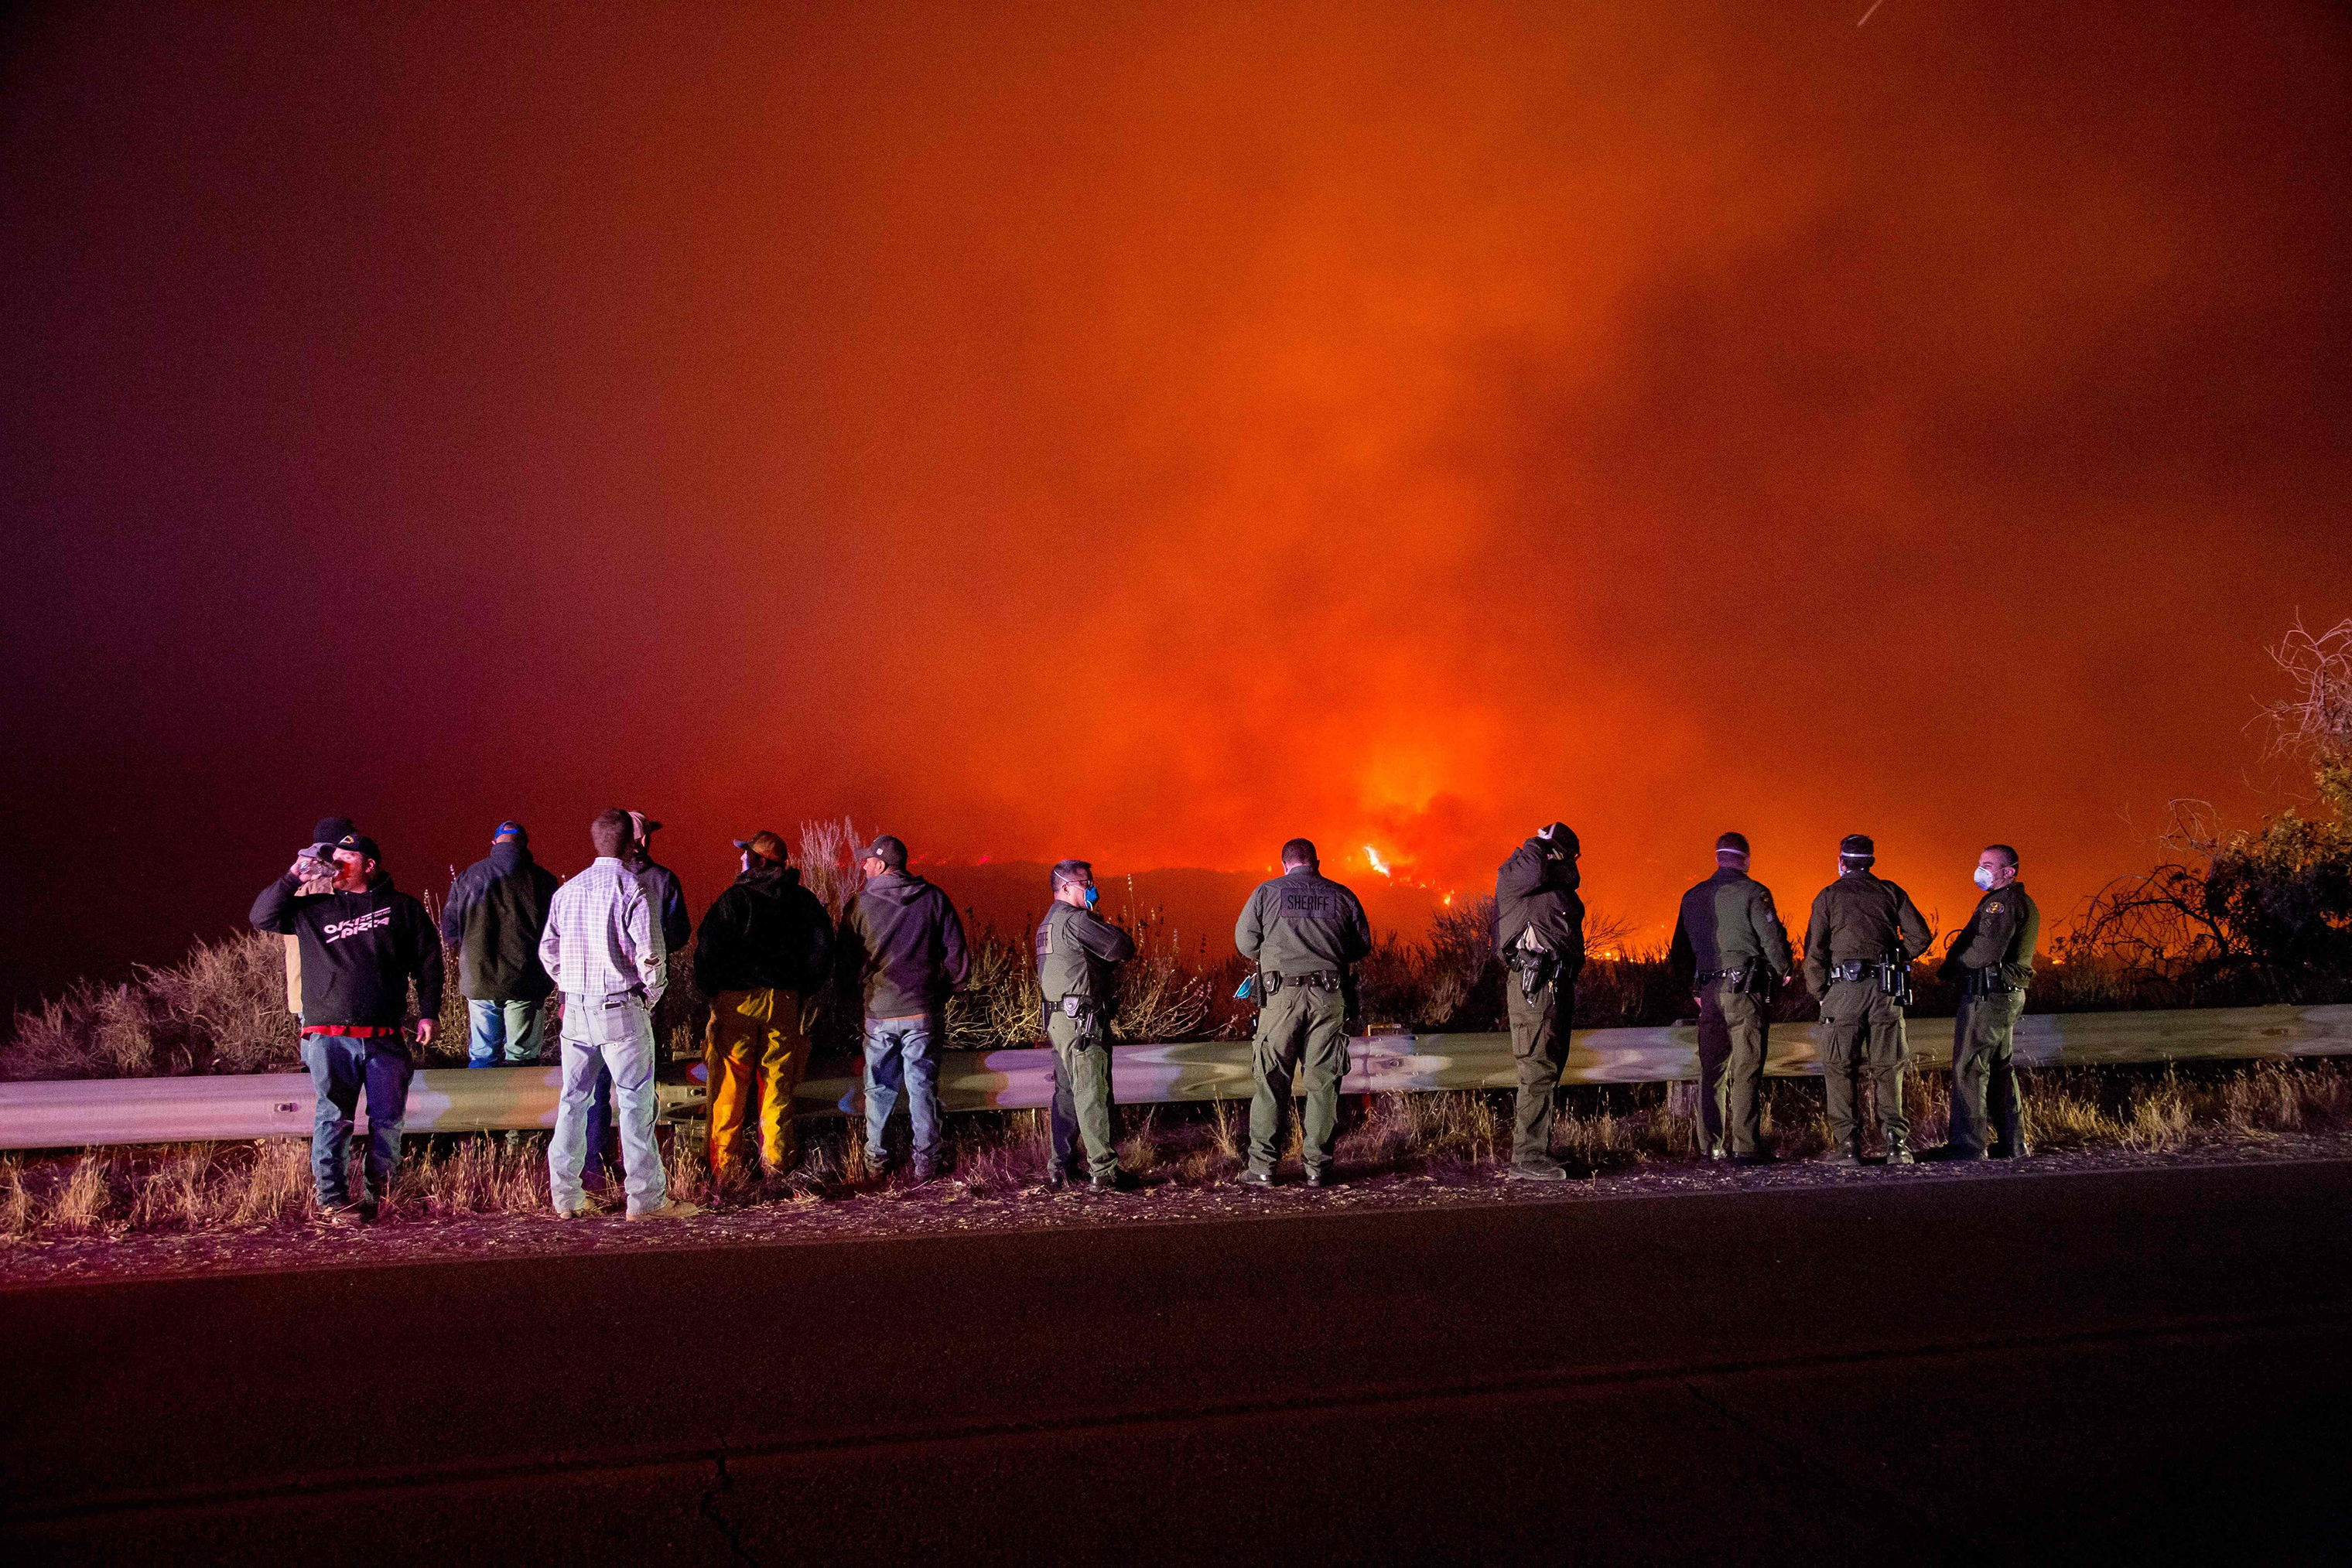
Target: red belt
x,y
360,1030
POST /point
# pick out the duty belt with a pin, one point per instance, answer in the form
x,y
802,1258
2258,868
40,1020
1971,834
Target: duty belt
x,y
1321,979
1737,977
1858,970
1985,982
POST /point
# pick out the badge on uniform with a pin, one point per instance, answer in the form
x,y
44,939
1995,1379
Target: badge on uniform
x,y
1993,908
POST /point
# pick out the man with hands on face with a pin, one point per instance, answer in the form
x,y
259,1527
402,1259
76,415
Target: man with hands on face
x,y
362,944
1078,956
1539,937
1992,958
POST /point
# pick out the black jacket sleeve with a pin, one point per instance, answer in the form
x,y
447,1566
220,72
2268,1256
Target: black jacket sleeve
x,y
464,894
718,947
428,973
816,939
273,911
1682,958
953,956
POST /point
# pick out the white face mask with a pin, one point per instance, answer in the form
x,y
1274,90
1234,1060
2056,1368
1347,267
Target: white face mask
x,y
1984,877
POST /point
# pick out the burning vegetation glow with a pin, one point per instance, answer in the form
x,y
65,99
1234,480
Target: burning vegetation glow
x,y
1150,433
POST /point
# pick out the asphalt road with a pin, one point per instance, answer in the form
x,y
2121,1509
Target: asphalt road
x,y
2134,1365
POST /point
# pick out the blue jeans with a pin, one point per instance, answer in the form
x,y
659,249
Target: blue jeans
x,y
615,1044
517,1027
341,1066
904,1052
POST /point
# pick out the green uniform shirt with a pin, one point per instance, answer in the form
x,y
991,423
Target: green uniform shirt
x,y
2004,930
1076,952
1728,921
1302,923
1856,919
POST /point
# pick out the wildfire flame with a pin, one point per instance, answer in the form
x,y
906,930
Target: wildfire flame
x,y
1379,864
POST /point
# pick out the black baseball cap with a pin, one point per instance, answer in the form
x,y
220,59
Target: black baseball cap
x,y
1857,846
360,845
889,850
330,829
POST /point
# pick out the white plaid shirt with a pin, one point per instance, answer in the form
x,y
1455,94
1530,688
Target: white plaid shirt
x,y
602,936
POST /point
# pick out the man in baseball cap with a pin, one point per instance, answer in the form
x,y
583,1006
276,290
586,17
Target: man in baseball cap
x,y
903,941
764,951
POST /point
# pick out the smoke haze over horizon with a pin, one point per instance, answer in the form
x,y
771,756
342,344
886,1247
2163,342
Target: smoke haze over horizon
x,y
1146,433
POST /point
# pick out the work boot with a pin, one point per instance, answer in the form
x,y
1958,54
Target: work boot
x,y
1756,1157
1057,1178
1550,1171
2022,1150
1254,1177
340,1214
1715,1152
1848,1155
1899,1154
1324,1175
1118,1181
673,1208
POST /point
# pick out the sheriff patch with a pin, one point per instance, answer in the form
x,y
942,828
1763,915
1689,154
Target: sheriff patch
x,y
1993,908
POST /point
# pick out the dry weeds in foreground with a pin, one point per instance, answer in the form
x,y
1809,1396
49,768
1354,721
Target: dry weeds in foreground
x,y
267,1183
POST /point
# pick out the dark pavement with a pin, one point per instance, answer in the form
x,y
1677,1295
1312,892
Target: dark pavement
x,y
2143,1364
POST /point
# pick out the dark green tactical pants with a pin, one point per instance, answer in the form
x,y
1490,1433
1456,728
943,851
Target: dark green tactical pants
x,y
1862,1035
1982,1068
1539,1050
1081,1097
1732,1033
1302,1031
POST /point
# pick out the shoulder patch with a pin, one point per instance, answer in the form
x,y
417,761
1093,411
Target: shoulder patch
x,y
1993,908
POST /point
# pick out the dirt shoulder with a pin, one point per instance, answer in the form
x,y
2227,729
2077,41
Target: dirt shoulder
x,y
950,1207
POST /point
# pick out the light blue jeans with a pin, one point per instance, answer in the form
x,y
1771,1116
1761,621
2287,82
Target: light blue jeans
x,y
614,1034
518,1027
904,1053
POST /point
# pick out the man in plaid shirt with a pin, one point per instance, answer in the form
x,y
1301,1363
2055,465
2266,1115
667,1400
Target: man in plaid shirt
x,y
603,947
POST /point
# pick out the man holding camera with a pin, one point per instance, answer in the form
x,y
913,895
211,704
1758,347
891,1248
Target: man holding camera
x,y
361,945
1539,937
1858,945
1731,950
1993,959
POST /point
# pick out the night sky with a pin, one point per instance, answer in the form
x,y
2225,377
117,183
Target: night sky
x,y
1149,433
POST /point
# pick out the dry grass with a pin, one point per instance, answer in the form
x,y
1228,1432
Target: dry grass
x,y
267,1183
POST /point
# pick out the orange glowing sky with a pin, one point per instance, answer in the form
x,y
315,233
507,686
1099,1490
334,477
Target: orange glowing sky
x,y
1148,432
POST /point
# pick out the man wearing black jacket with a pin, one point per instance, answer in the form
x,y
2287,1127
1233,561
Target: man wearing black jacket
x,y
362,944
766,945
902,945
1539,937
496,908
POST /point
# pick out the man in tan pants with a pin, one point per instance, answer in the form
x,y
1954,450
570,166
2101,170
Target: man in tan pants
x,y
765,946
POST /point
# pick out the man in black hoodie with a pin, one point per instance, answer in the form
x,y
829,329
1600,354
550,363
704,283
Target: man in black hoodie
x,y
496,908
361,944
1539,937
766,945
903,946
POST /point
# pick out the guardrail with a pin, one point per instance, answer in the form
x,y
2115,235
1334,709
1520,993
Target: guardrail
x,y
84,1111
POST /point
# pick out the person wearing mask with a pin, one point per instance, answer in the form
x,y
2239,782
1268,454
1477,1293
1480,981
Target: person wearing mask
x,y
496,911
902,945
1539,935
765,947
1991,957
1078,956
1731,952
602,947
1860,942
1304,933
362,945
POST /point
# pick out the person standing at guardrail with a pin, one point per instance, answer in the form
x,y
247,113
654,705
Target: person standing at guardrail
x,y
495,915
602,947
1732,953
1078,956
1305,934
315,866
1992,958
667,897
902,943
1539,937
362,943
766,946
1860,942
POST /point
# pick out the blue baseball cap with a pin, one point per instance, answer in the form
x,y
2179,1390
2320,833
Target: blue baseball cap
x,y
509,828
